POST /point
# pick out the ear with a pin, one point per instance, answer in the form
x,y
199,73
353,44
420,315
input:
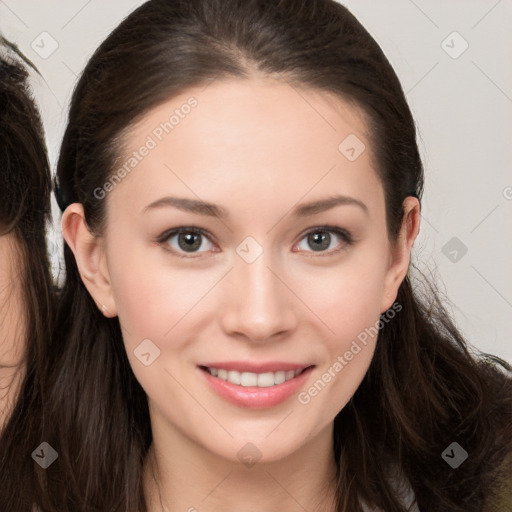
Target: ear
x,y
400,253
90,258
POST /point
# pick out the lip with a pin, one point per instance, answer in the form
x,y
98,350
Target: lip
x,y
253,367
254,397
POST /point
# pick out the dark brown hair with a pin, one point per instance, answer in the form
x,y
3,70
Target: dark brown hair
x,y
423,390
25,188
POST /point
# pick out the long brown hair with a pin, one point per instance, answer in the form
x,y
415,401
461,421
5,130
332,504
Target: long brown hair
x,y
423,390
25,188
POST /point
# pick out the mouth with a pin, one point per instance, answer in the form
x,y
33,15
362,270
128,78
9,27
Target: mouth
x,y
257,389
246,379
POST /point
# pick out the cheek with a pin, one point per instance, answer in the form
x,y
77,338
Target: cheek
x,y
347,299
348,296
158,303
149,305
350,307
12,323
148,308
150,296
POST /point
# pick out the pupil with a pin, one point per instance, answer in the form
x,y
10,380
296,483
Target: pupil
x,y
321,237
186,241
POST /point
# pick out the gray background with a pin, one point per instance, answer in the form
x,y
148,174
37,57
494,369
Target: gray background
x,y
461,99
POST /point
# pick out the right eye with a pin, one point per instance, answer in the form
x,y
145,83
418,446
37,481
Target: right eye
x,y
185,240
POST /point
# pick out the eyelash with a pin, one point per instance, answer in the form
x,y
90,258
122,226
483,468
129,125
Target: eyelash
x,y
345,236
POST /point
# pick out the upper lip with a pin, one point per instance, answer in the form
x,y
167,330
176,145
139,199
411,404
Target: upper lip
x,y
254,367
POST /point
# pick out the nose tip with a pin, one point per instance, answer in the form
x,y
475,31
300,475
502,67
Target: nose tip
x,y
259,306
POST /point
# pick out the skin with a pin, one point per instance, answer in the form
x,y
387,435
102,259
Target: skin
x,y
11,328
258,148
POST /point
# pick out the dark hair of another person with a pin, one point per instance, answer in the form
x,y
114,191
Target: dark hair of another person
x,y
423,390
25,188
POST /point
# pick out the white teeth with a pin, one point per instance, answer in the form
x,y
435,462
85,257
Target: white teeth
x,y
234,377
279,377
246,379
265,380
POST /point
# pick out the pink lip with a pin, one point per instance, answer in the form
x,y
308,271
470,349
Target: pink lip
x,y
247,366
255,397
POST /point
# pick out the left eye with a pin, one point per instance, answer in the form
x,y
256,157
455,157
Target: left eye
x,y
321,239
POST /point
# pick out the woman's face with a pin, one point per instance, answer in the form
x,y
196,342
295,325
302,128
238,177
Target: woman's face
x,y
260,287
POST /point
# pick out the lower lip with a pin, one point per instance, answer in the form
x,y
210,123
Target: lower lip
x,y
254,396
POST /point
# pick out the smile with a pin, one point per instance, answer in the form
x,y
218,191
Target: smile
x,y
250,379
255,390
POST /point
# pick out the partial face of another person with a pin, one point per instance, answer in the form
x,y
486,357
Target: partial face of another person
x,y
12,327
284,269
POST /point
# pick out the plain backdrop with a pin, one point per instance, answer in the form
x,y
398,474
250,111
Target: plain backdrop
x,y
453,59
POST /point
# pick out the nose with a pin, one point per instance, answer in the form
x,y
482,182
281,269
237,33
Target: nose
x,y
259,306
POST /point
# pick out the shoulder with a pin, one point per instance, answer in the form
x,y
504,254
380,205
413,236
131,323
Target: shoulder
x,y
403,490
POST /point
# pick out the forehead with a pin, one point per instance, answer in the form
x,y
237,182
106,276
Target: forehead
x,y
257,107
265,135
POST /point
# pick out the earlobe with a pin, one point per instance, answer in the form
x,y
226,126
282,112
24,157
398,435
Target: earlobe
x,y
401,252
90,258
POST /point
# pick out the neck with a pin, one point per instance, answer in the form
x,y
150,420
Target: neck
x,y
180,475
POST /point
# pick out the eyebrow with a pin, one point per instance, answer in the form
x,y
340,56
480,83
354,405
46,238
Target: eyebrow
x,y
204,208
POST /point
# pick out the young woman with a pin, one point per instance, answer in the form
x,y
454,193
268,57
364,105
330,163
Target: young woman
x,y
237,329
25,279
